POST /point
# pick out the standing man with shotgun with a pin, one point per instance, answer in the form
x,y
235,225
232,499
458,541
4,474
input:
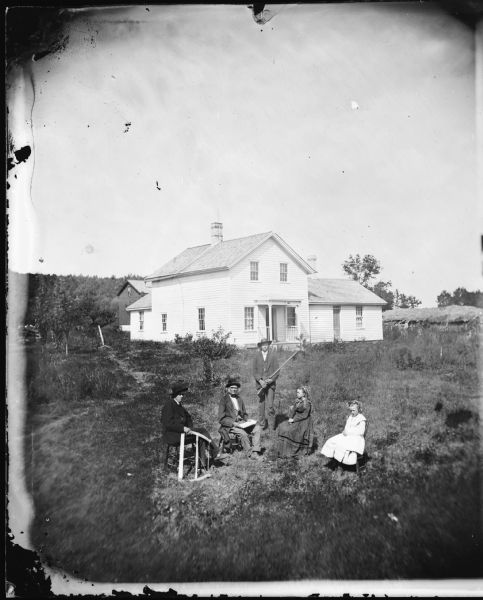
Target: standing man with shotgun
x,y
265,372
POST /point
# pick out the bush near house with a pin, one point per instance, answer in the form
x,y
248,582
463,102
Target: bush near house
x,y
103,511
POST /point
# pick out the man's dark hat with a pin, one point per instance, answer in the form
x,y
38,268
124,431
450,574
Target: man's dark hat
x,y
179,388
233,382
264,341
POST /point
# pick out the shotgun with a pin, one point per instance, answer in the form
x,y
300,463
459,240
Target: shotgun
x,y
279,369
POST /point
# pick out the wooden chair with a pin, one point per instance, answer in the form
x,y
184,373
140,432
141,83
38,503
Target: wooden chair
x,y
188,452
362,458
235,441
235,444
361,462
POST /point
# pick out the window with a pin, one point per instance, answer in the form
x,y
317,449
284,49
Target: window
x,y
253,271
291,316
129,290
141,320
164,322
201,319
249,318
283,272
358,317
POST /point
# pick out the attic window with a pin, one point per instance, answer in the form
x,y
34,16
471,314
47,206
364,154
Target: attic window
x,y
283,272
129,290
253,271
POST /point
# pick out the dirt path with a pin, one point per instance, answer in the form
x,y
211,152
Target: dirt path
x,y
141,378
141,384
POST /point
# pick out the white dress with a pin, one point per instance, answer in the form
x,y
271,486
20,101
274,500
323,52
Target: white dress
x,y
345,448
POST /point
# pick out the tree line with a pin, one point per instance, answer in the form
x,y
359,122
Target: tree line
x,y
460,297
58,305
365,269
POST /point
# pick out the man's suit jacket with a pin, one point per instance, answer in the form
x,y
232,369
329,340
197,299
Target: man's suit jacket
x,y
263,369
175,419
227,413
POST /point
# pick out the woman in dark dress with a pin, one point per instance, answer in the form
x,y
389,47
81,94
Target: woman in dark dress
x,y
295,436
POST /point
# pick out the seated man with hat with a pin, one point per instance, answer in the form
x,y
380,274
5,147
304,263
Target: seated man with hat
x,y
232,415
177,420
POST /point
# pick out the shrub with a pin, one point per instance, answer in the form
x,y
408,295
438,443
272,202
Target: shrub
x,y
184,341
403,358
210,349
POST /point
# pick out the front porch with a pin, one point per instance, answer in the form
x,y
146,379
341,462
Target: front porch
x,y
278,321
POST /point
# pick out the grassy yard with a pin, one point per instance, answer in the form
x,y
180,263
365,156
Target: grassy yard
x,y
104,513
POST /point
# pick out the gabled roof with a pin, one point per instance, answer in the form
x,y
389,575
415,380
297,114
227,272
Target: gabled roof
x,y
341,291
143,303
222,255
138,284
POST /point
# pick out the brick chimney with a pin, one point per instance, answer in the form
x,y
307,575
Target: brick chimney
x,y
216,233
312,260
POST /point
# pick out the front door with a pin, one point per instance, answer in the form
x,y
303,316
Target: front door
x,y
336,322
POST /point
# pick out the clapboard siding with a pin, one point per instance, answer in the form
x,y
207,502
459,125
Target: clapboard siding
x,y
244,292
146,332
371,323
321,323
180,299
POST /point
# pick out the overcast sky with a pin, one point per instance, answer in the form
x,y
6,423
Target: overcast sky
x,y
343,128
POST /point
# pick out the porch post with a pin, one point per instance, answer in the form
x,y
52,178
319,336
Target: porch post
x,y
270,336
286,325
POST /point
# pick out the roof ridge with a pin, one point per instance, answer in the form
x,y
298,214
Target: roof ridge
x,y
335,279
242,237
193,247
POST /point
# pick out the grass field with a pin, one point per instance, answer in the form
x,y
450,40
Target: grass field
x,y
104,513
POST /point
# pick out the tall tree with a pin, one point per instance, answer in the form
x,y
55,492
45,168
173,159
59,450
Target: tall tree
x,y
404,301
383,290
362,269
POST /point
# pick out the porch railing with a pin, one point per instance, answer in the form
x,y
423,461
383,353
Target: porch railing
x,y
291,333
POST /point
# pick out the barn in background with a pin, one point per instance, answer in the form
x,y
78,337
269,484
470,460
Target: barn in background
x,y
131,290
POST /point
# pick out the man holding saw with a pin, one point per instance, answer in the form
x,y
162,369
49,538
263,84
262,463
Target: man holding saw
x,y
265,372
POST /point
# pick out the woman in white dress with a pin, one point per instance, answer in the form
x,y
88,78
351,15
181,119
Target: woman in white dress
x,y
345,446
